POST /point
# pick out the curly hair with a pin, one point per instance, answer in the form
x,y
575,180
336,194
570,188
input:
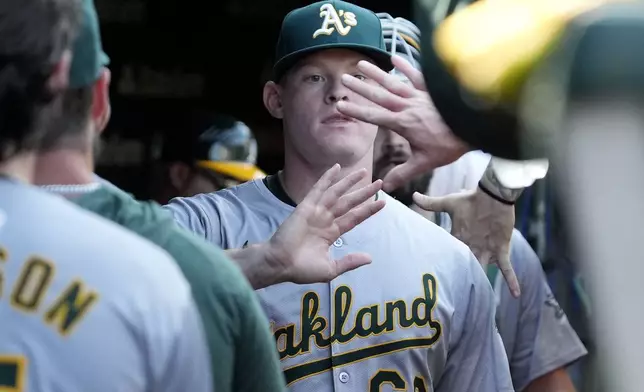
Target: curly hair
x,y
34,35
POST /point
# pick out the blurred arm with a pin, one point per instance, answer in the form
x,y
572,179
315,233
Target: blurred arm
x,y
555,381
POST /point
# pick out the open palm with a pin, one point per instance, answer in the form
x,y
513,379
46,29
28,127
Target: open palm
x,y
328,211
407,109
483,224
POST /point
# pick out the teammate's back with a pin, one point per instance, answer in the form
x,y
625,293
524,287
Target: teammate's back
x,y
86,306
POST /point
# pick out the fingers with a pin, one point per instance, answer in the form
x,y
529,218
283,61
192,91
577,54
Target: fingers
x,y
337,190
401,174
355,198
391,82
508,274
371,114
351,262
436,204
414,75
326,180
375,94
483,256
358,215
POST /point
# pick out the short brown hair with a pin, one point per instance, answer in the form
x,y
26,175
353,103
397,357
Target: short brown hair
x,y
34,35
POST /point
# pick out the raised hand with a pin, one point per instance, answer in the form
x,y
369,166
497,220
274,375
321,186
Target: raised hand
x,y
483,224
407,109
301,244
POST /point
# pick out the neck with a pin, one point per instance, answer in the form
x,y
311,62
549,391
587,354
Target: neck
x,y
299,176
64,167
20,167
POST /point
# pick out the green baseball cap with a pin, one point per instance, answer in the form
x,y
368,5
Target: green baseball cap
x,y
88,58
329,25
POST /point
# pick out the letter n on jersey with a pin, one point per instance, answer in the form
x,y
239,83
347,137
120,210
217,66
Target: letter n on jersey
x,y
374,320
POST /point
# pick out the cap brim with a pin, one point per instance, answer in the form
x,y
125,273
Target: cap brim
x,y
381,57
237,170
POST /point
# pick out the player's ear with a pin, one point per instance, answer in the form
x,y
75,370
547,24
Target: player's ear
x,y
101,108
273,99
179,174
59,78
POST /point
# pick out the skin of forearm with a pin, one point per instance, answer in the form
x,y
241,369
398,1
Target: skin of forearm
x,y
256,264
555,381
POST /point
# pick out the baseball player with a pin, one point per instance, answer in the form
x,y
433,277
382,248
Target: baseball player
x,y
537,336
218,152
236,329
420,317
84,305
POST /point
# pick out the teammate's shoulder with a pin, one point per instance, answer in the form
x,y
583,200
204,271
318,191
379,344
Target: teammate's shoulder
x,y
406,219
246,197
116,247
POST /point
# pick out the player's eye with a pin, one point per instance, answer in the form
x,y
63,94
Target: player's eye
x,y
315,78
360,77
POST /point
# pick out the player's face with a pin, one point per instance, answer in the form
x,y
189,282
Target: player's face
x,y
391,150
314,128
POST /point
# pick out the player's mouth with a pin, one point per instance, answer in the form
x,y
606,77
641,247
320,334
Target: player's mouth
x,y
337,118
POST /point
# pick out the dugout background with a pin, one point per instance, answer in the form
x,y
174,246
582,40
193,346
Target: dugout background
x,y
170,57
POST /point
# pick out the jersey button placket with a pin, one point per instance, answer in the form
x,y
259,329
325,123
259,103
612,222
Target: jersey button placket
x,y
340,376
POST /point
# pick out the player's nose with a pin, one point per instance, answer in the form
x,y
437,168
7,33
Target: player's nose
x,y
336,92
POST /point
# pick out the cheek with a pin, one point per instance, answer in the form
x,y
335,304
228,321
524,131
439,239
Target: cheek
x,y
302,109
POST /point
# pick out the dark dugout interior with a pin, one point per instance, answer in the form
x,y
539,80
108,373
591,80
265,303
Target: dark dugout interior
x,y
172,58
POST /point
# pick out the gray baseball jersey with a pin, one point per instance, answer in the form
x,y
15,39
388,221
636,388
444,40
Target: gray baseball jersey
x,y
87,306
536,333
420,317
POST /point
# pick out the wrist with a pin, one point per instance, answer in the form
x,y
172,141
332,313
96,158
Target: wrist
x,y
274,258
494,188
483,188
260,264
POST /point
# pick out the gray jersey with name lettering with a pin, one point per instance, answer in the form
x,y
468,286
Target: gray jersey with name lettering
x,y
420,317
87,306
537,335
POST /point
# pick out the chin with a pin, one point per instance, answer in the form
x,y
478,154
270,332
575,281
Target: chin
x,y
346,149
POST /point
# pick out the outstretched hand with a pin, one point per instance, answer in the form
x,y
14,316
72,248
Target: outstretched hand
x,y
301,244
483,224
408,110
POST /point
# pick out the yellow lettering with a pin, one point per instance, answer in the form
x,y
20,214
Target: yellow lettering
x,y
32,284
70,307
4,256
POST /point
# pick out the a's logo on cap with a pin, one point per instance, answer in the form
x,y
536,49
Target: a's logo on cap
x,y
333,21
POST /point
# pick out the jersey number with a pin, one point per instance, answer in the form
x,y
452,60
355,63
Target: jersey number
x,y
397,382
12,373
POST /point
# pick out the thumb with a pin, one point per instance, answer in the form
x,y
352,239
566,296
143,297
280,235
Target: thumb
x,y
351,262
436,204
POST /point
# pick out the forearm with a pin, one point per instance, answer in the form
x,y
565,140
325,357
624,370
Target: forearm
x,y
555,381
257,265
